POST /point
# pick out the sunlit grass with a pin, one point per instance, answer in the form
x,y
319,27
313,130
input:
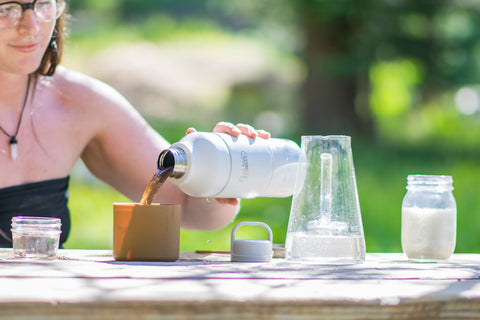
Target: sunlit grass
x,y
92,215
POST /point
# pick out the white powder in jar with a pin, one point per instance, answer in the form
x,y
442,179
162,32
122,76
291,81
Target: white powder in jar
x,y
428,233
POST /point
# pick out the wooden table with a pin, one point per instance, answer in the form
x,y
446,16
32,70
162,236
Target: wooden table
x,y
84,284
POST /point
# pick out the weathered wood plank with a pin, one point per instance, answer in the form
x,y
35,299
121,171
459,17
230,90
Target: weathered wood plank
x,y
298,310
91,285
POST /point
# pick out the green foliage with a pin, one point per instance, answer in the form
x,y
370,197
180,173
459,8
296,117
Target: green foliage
x,y
392,83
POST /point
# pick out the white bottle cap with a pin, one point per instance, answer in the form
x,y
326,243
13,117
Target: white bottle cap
x,y
251,250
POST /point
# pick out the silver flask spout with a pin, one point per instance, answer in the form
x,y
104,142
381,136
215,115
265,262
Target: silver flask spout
x,y
173,157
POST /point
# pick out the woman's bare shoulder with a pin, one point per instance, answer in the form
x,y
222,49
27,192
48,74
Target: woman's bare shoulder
x,y
79,90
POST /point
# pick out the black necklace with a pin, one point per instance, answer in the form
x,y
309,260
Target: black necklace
x,y
13,139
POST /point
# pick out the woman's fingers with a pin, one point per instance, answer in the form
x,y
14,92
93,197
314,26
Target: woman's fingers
x,y
191,130
264,134
227,127
247,130
236,130
230,201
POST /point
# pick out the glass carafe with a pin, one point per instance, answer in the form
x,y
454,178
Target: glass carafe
x,y
325,223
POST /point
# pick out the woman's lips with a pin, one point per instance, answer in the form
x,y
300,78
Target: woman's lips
x,y
26,48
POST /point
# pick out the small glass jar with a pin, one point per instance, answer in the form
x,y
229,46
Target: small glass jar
x,y
429,218
35,237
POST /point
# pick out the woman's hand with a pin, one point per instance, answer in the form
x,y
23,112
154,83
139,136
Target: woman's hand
x,y
235,130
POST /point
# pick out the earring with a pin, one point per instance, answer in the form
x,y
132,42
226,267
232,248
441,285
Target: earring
x,y
54,45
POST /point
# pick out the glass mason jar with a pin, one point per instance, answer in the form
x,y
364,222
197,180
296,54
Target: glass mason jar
x,y
429,218
35,237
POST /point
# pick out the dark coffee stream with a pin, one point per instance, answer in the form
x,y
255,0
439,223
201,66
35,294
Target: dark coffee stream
x,y
155,184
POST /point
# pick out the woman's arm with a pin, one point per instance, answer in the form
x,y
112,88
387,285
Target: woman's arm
x,y
123,152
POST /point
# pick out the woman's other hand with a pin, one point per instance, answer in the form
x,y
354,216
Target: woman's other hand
x,y
236,130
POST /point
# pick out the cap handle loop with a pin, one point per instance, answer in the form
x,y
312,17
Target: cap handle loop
x,y
251,250
252,223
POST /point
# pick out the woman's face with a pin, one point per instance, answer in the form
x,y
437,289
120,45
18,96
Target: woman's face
x,y
23,46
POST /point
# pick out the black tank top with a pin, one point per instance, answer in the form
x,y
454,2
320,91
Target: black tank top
x,y
40,199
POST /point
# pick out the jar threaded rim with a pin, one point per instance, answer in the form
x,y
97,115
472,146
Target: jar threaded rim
x,y
441,182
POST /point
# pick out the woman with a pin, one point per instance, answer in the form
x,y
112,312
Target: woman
x,y
51,116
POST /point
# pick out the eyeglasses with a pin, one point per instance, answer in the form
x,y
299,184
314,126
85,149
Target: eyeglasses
x,y
11,12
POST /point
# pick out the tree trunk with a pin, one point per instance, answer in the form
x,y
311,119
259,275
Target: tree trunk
x,y
330,89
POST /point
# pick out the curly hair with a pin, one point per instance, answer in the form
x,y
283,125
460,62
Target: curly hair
x,y
53,55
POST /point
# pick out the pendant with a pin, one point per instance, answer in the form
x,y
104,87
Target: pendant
x,y
13,149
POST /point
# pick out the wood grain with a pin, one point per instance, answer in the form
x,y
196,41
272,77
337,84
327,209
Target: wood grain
x,y
84,284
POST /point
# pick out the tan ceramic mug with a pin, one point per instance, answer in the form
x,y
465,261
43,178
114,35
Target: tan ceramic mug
x,y
146,232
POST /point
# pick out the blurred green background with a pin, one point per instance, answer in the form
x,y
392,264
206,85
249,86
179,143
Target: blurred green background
x,y
401,77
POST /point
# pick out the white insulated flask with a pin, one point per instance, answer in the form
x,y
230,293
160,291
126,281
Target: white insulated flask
x,y
218,165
